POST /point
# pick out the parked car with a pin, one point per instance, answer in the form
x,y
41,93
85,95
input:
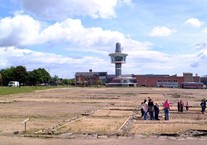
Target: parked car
x,y
13,84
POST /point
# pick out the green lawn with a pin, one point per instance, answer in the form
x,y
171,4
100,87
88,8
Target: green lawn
x,y
23,89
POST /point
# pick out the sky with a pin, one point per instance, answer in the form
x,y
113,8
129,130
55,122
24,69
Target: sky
x,y
68,36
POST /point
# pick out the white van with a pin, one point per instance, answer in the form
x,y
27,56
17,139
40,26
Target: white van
x,y
13,84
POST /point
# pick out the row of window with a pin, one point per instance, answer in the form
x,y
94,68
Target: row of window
x,y
167,81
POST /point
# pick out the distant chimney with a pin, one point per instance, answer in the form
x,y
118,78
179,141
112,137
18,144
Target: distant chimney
x,y
90,70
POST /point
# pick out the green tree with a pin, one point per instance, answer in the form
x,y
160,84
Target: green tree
x,y
20,74
38,76
31,79
1,81
7,75
66,81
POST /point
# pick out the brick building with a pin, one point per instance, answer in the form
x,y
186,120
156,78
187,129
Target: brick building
x,y
90,78
150,80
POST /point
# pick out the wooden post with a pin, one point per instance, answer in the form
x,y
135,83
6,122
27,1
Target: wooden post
x,y
25,124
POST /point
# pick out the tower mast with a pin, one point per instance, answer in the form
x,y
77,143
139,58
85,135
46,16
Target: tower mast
x,y
118,58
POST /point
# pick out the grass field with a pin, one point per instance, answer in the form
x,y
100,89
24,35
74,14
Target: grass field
x,y
23,89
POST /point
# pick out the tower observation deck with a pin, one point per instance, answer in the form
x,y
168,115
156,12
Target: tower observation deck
x,y
118,58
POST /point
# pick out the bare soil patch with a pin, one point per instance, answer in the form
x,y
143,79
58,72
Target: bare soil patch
x,y
79,111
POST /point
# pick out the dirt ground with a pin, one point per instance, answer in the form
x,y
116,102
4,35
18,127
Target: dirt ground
x,y
100,116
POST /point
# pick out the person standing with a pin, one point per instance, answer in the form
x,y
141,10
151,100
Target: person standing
x,y
166,106
203,105
187,106
151,109
157,111
181,106
142,111
144,107
178,106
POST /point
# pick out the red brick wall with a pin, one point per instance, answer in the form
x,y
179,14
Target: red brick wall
x,y
151,81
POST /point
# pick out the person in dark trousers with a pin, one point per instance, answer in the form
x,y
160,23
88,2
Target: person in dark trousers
x,y
151,109
157,111
187,106
181,106
178,106
203,105
142,111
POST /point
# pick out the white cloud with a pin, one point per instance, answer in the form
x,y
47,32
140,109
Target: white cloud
x,y
205,30
160,31
86,40
194,22
12,56
202,51
18,30
200,59
62,9
23,30
73,31
141,59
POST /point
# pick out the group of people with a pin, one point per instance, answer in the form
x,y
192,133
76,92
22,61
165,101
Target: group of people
x,y
148,106
181,105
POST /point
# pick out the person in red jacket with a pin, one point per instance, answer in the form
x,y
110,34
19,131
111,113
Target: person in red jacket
x,y
166,106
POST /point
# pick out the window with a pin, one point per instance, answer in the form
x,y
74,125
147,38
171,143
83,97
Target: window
x,y
119,58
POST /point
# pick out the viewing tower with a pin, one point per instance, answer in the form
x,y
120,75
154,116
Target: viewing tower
x,y
118,58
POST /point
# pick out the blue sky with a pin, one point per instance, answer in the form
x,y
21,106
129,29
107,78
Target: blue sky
x,y
67,36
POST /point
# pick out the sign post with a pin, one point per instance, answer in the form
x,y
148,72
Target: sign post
x,y
25,124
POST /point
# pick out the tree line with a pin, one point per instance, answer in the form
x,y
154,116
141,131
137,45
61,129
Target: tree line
x,y
30,78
